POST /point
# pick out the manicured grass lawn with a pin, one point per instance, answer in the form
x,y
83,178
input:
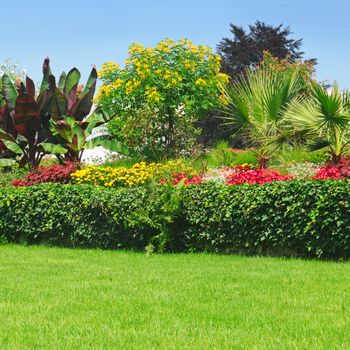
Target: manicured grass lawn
x,y
53,298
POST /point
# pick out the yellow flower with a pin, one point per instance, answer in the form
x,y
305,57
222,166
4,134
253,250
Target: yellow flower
x,y
201,81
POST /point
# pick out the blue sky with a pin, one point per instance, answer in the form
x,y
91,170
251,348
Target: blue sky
x,y
84,32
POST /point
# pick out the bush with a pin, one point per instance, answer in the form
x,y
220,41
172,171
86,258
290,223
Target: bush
x,y
309,219
69,215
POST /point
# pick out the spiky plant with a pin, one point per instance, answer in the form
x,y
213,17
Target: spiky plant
x,y
255,107
323,118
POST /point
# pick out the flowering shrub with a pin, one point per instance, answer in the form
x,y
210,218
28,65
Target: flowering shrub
x,y
159,94
335,172
138,174
53,173
254,176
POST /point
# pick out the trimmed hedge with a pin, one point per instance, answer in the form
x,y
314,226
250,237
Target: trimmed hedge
x,y
310,218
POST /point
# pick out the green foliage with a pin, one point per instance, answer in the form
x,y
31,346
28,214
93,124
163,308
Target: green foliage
x,y
309,219
323,118
10,173
287,154
302,218
255,107
159,95
54,121
223,155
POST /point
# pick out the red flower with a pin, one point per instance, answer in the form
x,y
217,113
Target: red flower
x,y
178,177
257,176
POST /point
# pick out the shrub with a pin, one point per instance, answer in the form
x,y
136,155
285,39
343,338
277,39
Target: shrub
x,y
52,173
159,95
328,172
303,218
69,215
309,218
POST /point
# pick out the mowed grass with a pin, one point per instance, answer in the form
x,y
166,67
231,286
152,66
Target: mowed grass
x,y
52,298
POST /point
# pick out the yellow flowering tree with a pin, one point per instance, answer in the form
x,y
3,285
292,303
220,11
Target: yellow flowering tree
x,y
160,94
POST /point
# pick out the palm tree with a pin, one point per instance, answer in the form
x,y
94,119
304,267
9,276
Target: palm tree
x,y
323,118
255,107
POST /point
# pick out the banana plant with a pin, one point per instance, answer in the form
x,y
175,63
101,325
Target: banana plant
x,y
32,120
77,136
20,147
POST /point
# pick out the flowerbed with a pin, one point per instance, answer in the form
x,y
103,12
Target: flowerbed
x,y
53,173
138,174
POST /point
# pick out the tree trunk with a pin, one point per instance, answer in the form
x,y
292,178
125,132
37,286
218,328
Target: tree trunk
x,y
335,158
171,136
263,162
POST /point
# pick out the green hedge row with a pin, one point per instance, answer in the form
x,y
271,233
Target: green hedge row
x,y
285,218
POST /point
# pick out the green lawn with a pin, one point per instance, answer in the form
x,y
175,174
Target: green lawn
x,y
53,298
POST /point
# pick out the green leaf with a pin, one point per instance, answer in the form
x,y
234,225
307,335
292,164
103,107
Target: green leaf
x,y
72,79
12,146
110,144
62,81
6,136
7,162
52,148
9,91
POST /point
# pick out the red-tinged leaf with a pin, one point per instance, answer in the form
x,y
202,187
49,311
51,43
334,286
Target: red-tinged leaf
x,y
52,103
72,97
6,122
26,116
46,75
82,107
30,87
